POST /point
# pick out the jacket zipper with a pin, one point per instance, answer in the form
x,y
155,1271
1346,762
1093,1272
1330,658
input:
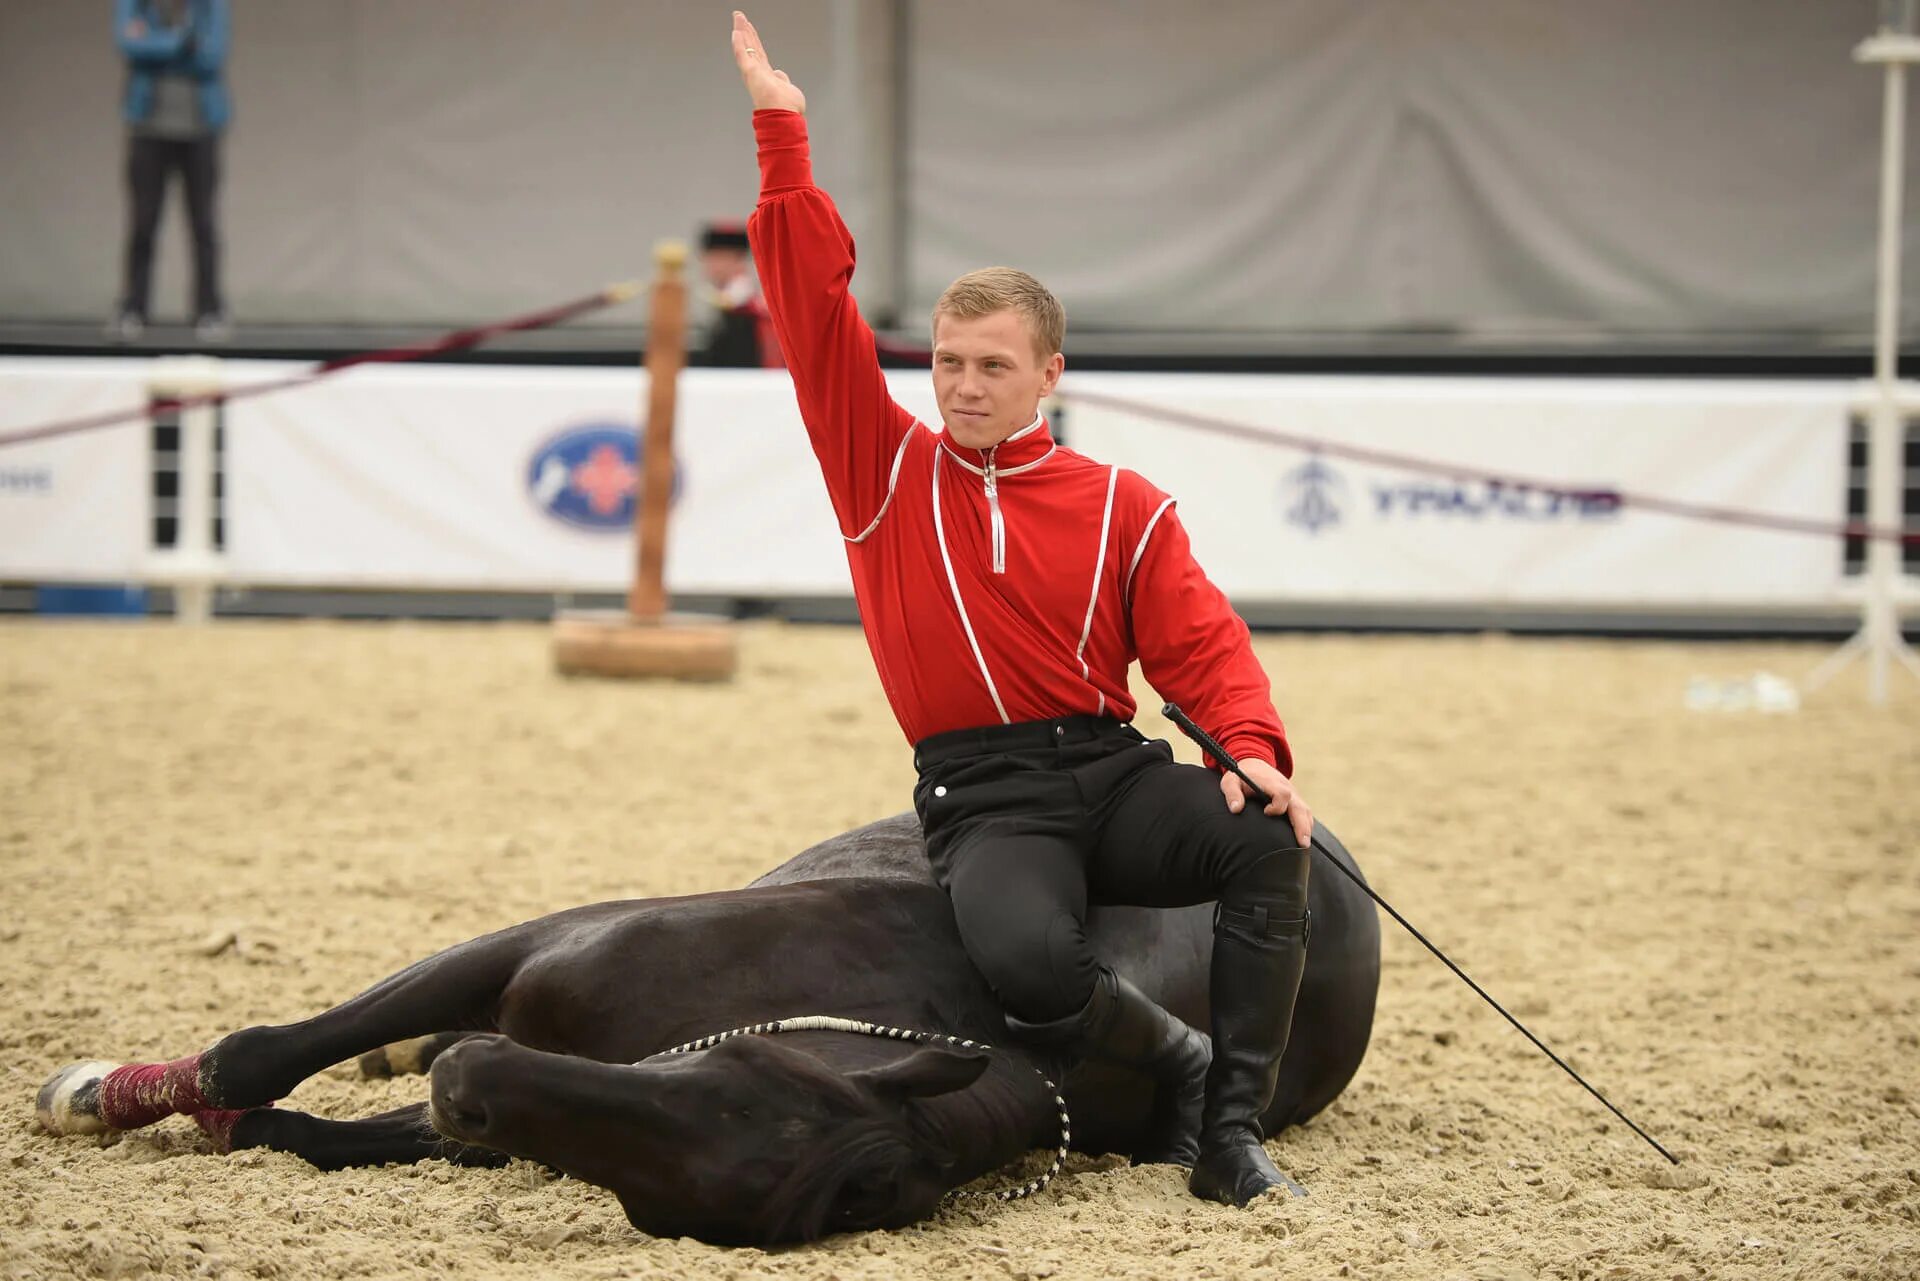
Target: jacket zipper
x,y
993,509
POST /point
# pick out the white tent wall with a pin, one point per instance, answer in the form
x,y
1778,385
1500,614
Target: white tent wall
x,y
419,162
1539,169
1532,171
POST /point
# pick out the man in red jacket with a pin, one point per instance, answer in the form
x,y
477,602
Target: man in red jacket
x,y
1005,584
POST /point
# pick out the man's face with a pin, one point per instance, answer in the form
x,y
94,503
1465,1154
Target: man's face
x,y
987,376
721,266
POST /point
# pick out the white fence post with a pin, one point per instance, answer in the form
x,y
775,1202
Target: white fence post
x,y
191,566
1880,637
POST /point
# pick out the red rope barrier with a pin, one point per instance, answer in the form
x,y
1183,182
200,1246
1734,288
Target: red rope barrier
x,y
902,351
457,340
1454,471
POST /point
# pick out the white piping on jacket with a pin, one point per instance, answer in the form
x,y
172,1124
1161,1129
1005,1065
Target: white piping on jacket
x,y
1093,597
999,471
1126,593
893,478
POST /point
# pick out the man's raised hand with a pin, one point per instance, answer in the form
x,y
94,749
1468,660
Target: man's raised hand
x,y
769,89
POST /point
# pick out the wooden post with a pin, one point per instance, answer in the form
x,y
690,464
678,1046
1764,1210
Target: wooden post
x,y
666,354
643,640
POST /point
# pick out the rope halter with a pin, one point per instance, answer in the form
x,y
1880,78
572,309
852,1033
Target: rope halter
x,y
827,1023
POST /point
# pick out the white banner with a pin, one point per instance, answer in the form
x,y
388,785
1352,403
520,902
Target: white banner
x,y
74,507
524,479
1276,524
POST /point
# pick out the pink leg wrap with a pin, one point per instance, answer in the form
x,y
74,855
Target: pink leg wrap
x,y
218,1123
142,1093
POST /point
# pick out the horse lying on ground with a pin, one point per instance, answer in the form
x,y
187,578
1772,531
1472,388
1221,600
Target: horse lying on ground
x,y
758,1139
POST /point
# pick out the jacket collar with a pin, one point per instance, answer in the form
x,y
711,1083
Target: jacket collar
x,y
1025,448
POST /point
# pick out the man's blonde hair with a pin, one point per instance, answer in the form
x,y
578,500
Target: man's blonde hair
x,y
991,289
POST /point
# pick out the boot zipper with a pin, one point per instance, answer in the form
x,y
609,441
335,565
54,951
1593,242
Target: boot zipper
x,y
993,508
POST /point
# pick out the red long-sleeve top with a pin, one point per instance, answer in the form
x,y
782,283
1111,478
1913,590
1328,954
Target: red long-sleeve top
x,y
1009,584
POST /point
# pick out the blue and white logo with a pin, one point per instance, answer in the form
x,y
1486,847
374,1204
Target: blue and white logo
x,y
26,480
1492,499
1313,496
589,476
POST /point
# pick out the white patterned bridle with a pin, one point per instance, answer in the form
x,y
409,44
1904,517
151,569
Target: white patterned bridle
x,y
827,1023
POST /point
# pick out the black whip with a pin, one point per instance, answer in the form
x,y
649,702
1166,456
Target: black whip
x,y
1213,749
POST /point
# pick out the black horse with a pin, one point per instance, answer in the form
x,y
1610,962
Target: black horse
x,y
760,1139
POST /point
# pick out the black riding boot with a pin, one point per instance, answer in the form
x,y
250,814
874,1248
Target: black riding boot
x,y
1259,954
1121,1024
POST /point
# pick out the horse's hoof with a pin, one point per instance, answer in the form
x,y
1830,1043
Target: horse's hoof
x,y
411,1057
69,1103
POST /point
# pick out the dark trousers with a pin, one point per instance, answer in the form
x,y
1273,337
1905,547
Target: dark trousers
x,y
734,341
150,161
1028,824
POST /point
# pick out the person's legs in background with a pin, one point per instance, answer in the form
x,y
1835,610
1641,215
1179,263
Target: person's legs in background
x,y
146,191
200,161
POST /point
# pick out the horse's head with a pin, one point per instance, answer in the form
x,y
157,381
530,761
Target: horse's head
x,y
751,1142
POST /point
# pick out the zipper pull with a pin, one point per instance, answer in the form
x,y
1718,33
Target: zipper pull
x,y
992,478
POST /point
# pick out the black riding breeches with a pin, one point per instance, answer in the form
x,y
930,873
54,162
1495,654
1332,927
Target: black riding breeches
x,y
1027,824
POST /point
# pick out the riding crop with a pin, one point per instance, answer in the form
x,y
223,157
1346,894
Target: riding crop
x,y
1213,749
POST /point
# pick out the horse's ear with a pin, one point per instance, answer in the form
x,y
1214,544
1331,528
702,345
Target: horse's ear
x,y
924,1073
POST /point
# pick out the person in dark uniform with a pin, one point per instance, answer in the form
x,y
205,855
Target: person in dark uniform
x,y
742,333
176,108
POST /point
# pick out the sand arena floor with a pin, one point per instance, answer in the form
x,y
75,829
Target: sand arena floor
x,y
1716,916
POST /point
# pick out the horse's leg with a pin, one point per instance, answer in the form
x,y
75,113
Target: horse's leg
x,y
412,1057
401,1136
458,988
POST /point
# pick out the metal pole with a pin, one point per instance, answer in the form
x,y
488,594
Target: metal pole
x,y
1879,636
193,592
1884,451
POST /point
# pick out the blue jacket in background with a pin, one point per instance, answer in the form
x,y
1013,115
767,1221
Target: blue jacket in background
x,y
165,51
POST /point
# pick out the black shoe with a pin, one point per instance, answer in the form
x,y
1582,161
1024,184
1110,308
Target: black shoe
x,y
213,327
126,326
1259,954
1236,1175
1120,1024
